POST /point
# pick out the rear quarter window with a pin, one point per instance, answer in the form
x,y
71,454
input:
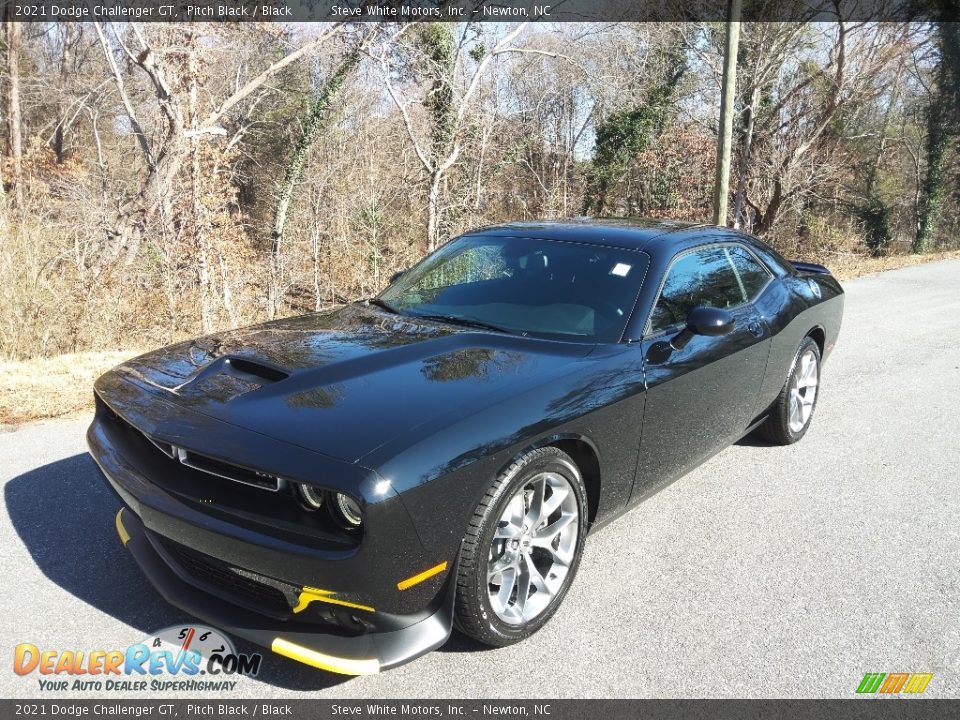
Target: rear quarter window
x,y
752,274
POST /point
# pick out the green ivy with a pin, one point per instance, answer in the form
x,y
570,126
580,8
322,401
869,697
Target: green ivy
x,y
943,126
623,135
437,44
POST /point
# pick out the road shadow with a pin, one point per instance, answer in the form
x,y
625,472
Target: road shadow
x,y
64,514
460,643
754,439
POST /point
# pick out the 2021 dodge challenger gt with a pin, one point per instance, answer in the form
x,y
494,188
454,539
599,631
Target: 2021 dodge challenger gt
x,y
347,486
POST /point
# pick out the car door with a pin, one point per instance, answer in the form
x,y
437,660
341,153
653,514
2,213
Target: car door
x,y
702,396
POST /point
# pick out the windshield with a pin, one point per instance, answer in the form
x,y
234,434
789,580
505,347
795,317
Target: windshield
x,y
549,288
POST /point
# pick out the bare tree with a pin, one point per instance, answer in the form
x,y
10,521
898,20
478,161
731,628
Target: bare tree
x,y
14,119
765,47
165,156
803,108
439,147
161,166
66,69
314,124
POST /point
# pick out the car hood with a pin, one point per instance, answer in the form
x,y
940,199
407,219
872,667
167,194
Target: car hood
x,y
345,382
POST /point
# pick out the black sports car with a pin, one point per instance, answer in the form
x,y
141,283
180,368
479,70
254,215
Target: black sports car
x,y
346,486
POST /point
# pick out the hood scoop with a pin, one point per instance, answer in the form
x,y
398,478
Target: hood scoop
x,y
229,377
255,369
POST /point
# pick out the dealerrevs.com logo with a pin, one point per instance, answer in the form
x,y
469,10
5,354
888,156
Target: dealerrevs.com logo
x,y
894,683
186,658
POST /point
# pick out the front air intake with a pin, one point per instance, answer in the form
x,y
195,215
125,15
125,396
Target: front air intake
x,y
227,471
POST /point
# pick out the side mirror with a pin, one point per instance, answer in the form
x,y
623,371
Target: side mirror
x,y
708,321
396,275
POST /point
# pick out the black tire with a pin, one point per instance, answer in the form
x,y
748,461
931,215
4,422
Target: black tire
x,y
474,615
777,428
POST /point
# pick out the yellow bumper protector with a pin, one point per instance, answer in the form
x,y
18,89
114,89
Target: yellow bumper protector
x,y
309,594
420,577
121,530
330,663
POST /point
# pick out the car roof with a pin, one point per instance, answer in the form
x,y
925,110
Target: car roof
x,y
650,235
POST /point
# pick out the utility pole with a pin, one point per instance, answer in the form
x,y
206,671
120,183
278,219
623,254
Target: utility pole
x,y
725,134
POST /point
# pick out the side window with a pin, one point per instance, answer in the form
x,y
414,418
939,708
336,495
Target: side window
x,y
700,278
753,276
774,261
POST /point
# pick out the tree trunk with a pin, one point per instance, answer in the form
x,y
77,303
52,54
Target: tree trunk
x,y
433,211
745,151
438,46
66,61
939,135
765,222
226,292
199,221
316,121
933,189
14,130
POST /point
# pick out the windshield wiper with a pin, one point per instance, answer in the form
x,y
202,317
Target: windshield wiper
x,y
383,304
465,322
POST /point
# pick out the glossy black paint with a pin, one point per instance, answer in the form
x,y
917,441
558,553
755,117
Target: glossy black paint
x,y
710,321
414,418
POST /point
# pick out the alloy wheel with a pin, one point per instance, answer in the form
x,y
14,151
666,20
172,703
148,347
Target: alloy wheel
x,y
803,391
533,548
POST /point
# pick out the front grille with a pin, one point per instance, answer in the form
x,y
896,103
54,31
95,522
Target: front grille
x,y
228,471
252,499
233,584
196,461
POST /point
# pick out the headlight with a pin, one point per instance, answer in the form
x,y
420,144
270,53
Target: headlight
x,y
349,510
310,496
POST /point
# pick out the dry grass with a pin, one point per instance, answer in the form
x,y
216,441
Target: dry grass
x,y
61,386
846,266
55,387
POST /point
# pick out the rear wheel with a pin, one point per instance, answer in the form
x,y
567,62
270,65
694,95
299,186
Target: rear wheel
x,y
792,412
522,549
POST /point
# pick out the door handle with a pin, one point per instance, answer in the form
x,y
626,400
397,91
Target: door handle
x,y
755,327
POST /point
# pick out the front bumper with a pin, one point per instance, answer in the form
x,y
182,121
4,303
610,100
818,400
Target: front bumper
x,y
262,582
362,654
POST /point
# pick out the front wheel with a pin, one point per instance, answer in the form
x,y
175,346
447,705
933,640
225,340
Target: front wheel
x,y
792,412
522,548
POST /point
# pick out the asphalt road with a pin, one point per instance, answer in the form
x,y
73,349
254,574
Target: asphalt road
x,y
767,572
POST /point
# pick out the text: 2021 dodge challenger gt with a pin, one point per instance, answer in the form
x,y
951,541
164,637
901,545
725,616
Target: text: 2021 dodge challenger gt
x,y
344,487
